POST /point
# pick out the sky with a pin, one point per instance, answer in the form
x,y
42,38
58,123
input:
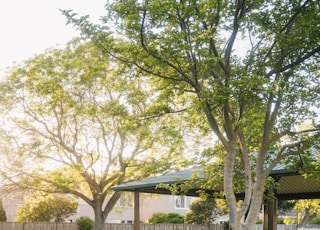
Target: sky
x,y
29,27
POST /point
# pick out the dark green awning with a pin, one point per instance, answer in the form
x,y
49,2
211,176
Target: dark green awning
x,y
151,185
291,184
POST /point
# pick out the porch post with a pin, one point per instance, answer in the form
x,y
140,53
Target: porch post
x,y
270,214
136,223
265,216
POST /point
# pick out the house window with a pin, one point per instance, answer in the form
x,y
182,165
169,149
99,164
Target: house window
x,y
125,201
180,202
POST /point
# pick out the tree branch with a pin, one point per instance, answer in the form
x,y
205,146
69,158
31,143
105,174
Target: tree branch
x,y
287,25
156,56
292,134
293,64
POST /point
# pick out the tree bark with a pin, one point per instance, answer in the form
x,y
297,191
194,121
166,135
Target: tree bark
x,y
99,220
306,218
255,205
234,218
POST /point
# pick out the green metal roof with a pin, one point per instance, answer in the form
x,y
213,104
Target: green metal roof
x,y
291,184
149,185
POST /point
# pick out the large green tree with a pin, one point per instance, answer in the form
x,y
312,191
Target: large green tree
x,y
78,123
251,66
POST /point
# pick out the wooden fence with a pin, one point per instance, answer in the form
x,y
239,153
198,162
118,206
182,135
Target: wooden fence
x,y
179,227
37,226
73,226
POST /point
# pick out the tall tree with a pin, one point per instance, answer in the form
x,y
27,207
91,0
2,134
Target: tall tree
x,y
78,123
252,66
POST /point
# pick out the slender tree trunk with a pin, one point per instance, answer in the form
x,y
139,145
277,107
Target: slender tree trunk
x,y
255,205
306,218
99,220
238,222
234,218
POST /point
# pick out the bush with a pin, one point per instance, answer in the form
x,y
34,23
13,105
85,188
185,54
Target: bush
x,y
202,211
175,218
85,223
166,218
42,207
3,215
259,221
280,220
226,225
316,220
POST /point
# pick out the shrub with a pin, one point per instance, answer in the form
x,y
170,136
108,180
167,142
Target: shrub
x,y
315,220
175,218
166,218
85,223
202,211
280,220
46,207
226,225
3,216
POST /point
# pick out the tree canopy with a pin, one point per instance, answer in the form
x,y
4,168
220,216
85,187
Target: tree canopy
x,y
249,68
78,122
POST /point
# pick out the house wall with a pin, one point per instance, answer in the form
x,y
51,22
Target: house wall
x,y
11,204
123,212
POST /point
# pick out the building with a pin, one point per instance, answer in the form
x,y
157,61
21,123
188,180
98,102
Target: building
x,y
123,212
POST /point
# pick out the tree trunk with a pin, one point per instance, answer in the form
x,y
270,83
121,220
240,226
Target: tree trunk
x,y
234,218
99,220
236,221
306,218
255,205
